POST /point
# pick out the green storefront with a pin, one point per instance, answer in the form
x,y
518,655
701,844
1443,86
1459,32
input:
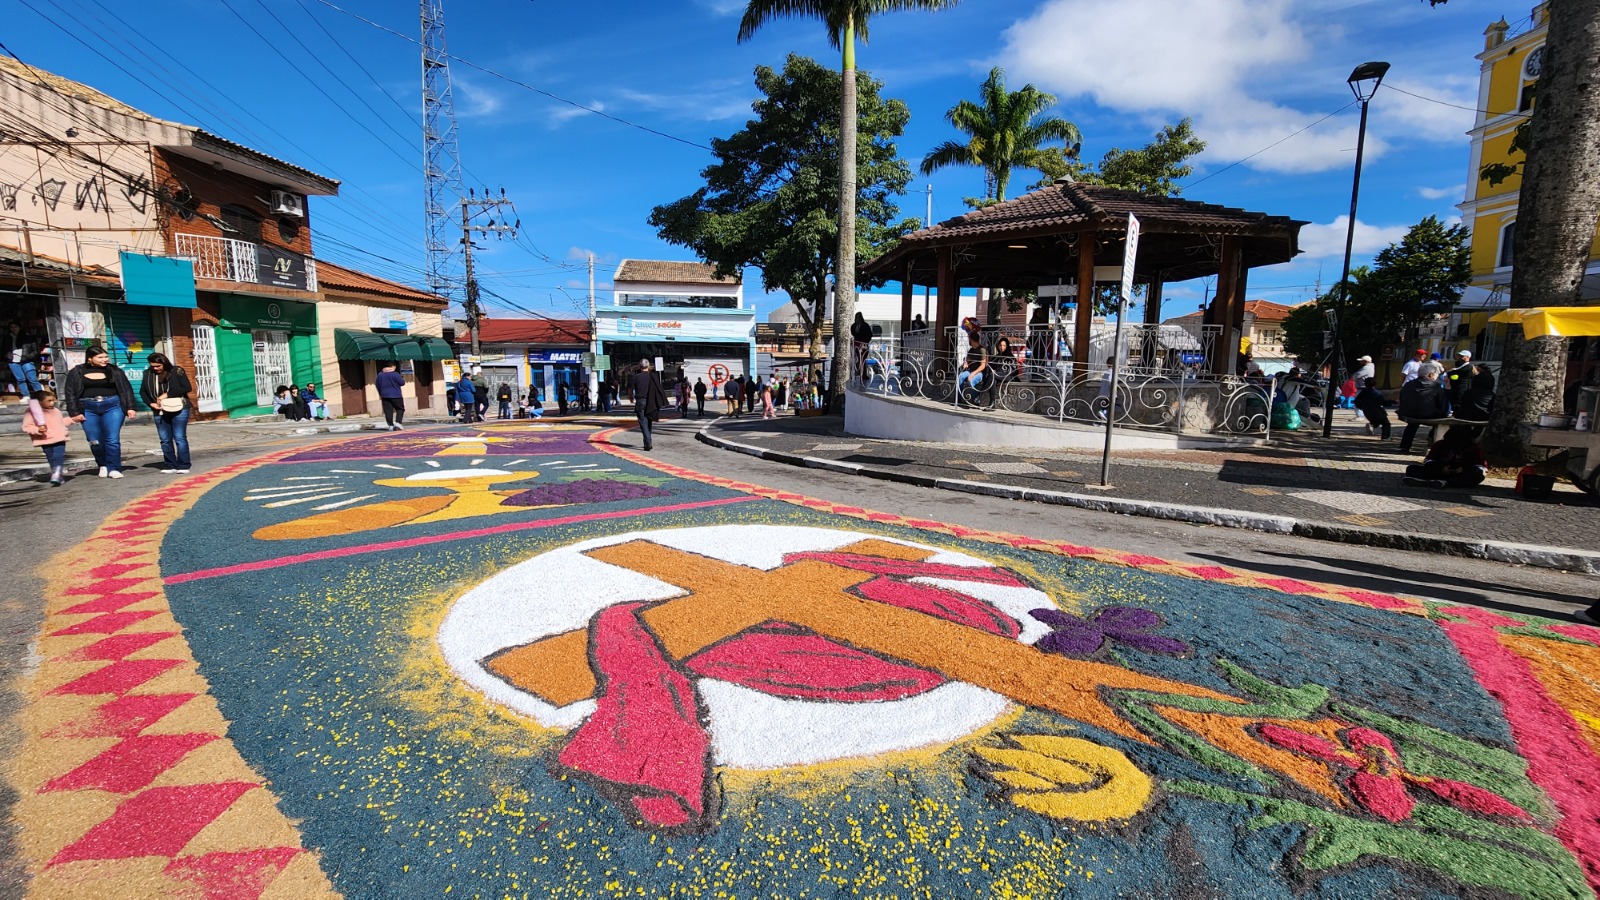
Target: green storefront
x,y
262,343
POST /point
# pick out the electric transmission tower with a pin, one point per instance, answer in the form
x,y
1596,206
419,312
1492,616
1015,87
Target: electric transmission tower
x,y
441,157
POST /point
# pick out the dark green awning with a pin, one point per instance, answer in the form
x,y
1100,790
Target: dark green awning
x,y
433,349
349,344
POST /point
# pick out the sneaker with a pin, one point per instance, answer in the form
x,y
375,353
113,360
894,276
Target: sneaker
x,y
1419,482
116,474
400,427
180,471
55,482
103,471
1590,616
169,471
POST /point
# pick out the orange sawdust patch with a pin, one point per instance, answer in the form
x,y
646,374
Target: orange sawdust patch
x,y
1570,674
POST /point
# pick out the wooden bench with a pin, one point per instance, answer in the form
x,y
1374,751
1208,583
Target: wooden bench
x,y
1585,461
1438,426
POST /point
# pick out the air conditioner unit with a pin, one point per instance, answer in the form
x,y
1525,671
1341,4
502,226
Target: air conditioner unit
x,y
287,204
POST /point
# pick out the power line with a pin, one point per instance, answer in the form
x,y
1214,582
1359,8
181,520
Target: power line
x,y
1271,145
1472,109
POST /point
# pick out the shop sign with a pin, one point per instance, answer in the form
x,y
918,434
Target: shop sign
x,y
391,319
278,267
253,313
539,357
452,370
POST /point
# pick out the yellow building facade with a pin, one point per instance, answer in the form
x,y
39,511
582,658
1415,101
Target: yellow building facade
x,y
1509,66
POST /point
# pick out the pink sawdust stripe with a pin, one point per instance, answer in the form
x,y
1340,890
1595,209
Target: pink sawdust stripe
x,y
1559,760
277,561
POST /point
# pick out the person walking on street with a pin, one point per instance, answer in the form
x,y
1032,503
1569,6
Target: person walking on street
x,y
860,343
392,394
503,398
98,395
648,399
748,390
699,397
561,399
1410,371
466,400
767,409
681,387
46,427
1370,404
165,390
731,394
480,390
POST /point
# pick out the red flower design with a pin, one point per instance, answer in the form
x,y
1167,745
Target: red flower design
x,y
1379,782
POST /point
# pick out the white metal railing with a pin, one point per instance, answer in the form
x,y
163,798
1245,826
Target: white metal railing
x,y
224,259
1162,392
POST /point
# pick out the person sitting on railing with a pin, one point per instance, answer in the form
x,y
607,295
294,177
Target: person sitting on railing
x,y
1002,366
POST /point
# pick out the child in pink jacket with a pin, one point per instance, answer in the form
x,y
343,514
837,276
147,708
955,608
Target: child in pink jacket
x,y
47,426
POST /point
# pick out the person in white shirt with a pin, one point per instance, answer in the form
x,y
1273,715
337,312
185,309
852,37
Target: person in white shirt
x,y
1412,369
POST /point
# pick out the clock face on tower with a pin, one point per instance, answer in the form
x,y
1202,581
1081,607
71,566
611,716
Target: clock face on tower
x,y
1534,65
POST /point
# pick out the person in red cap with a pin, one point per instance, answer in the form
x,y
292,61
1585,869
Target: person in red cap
x,y
1412,369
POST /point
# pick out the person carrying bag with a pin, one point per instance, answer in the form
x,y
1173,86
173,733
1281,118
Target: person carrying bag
x,y
165,390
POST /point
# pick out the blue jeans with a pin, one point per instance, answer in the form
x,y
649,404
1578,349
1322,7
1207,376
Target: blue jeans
x,y
505,409
644,427
173,430
27,378
55,455
102,425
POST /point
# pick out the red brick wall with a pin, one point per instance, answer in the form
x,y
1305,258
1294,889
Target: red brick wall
x,y
214,189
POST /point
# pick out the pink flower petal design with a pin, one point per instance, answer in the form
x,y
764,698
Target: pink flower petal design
x,y
1470,797
1309,744
1382,795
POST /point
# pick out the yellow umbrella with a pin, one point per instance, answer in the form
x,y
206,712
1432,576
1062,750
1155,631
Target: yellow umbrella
x,y
1554,321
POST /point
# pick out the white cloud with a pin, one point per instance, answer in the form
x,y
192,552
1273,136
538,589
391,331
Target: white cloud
x,y
562,113
1228,64
704,105
582,254
1321,241
1454,191
1404,111
722,7
474,101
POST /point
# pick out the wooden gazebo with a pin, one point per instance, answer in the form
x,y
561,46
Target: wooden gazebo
x,y
1064,230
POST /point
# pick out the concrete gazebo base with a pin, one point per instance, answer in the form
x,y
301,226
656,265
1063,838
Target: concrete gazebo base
x,y
903,418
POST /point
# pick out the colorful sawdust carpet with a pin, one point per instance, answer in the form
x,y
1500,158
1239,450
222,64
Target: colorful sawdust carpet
x,y
515,661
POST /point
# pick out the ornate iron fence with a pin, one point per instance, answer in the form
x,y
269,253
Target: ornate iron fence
x,y
1154,393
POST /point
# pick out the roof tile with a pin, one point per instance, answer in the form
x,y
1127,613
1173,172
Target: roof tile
x,y
670,272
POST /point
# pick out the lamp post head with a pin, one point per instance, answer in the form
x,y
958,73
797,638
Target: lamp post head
x,y
1365,79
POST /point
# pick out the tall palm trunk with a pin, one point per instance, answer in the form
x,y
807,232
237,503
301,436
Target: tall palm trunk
x,y
1558,211
844,292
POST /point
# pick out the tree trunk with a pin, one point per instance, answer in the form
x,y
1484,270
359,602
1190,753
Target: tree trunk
x,y
1558,211
844,280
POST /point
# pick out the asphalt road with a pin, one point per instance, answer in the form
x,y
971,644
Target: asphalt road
x,y
1427,576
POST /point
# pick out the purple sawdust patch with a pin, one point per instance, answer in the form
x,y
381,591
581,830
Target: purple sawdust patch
x,y
499,443
588,490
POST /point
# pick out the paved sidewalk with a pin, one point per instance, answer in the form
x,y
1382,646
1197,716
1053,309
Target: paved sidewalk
x,y
1346,489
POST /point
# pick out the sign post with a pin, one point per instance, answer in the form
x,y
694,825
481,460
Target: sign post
x,y
1130,253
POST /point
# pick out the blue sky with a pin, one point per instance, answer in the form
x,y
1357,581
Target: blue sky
x,y
343,99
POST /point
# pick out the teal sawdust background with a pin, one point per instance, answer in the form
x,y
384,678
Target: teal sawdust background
x,y
408,785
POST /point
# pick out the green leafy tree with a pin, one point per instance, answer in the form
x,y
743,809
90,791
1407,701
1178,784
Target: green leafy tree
x,y
843,19
1155,169
1558,213
1008,129
1418,277
771,200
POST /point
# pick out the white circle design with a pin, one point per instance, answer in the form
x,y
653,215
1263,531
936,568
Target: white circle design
x,y
560,591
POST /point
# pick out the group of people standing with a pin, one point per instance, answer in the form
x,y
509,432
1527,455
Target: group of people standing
x,y
98,396
1430,393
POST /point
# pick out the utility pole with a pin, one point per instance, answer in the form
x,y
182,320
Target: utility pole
x,y
927,223
594,339
470,204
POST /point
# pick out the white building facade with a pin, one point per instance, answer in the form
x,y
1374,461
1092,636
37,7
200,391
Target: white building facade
x,y
678,315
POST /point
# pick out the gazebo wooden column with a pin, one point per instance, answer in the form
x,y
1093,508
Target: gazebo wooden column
x,y
1227,346
1083,313
1241,282
1152,301
949,300
906,288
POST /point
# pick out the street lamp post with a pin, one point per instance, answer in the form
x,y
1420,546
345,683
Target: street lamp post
x,y
1364,83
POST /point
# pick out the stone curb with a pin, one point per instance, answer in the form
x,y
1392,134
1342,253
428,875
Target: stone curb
x,y
1563,558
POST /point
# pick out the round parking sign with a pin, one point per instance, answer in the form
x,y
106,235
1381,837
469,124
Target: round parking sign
x,y
718,373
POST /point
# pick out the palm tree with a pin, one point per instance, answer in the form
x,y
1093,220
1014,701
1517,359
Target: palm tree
x,y
1008,130
843,19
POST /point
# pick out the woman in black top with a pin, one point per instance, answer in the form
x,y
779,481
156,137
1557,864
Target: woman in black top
x,y
166,391
98,394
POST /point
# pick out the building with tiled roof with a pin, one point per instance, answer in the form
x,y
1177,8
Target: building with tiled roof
x,y
681,316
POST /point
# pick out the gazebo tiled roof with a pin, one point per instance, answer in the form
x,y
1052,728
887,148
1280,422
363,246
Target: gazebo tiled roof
x,y
1020,242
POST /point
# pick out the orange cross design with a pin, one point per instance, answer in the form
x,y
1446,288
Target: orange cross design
x,y
722,600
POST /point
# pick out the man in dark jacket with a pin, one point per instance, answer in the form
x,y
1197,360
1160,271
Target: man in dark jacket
x,y
648,399
1460,378
699,397
1421,399
1478,398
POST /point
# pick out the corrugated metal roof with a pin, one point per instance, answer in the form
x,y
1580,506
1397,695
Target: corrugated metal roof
x,y
529,331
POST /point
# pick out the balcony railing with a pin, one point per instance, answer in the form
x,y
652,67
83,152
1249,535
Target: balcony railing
x,y
225,259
